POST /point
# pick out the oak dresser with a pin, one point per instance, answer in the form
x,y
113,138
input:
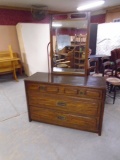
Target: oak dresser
x,y
69,101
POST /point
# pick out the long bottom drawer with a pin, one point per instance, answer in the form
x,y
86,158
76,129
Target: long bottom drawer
x,y
64,119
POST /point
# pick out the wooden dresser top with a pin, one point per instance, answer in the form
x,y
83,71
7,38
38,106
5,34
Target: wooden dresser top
x,y
89,81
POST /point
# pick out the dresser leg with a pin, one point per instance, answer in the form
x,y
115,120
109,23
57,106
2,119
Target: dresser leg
x,y
29,118
99,133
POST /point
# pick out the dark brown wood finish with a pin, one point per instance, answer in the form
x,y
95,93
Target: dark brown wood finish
x,y
70,101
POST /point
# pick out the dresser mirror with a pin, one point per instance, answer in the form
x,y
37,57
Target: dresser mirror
x,y
69,43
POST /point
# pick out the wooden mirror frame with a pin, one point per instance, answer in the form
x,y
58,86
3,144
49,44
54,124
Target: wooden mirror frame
x,y
86,48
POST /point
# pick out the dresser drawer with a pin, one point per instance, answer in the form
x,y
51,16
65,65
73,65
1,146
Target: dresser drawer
x,y
83,92
90,93
65,91
73,105
42,88
61,118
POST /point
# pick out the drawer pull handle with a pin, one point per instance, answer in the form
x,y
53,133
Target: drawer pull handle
x,y
42,88
61,104
81,93
61,117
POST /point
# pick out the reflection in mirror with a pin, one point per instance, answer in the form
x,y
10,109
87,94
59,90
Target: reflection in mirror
x,y
69,37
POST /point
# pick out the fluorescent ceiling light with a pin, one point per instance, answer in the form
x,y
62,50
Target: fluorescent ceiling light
x,y
91,5
56,24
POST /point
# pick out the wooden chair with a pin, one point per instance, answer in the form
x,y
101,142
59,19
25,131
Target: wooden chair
x,y
107,69
93,65
117,68
115,54
113,84
105,59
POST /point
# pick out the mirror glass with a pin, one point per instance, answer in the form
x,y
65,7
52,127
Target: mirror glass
x,y
69,43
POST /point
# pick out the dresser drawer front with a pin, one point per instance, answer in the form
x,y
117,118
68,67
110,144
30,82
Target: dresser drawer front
x,y
70,91
90,93
61,118
72,105
65,91
42,88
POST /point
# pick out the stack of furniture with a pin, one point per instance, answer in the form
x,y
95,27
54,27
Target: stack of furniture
x,y
10,62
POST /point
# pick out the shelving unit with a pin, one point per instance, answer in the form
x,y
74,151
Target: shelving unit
x,y
79,39
79,57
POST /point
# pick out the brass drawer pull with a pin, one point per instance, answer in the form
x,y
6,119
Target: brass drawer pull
x,y
61,104
61,117
81,93
42,88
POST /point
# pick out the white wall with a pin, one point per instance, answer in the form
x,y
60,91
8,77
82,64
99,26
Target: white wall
x,y
108,38
33,40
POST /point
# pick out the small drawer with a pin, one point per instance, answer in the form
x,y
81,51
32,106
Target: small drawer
x,y
64,119
70,91
73,105
90,93
42,88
